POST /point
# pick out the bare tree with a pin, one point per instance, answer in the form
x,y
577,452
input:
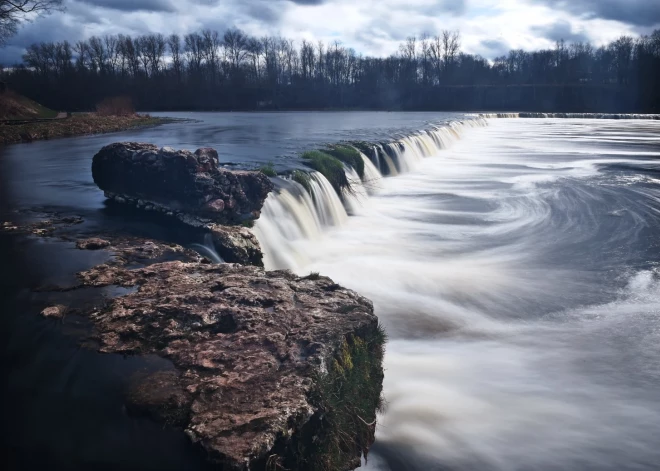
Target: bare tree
x,y
153,49
235,42
15,12
451,43
255,50
174,43
97,53
112,52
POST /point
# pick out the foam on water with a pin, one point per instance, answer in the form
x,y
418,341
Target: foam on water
x,y
524,315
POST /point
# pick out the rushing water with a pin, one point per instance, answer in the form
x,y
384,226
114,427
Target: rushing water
x,y
513,262
516,273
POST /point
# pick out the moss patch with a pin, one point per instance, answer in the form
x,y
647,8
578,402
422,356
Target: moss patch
x,y
330,167
304,179
348,398
349,155
268,170
363,146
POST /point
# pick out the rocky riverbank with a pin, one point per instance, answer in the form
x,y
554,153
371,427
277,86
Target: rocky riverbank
x,y
269,370
76,125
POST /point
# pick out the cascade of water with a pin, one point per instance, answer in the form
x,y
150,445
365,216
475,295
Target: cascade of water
x,y
207,249
356,197
372,177
569,115
293,216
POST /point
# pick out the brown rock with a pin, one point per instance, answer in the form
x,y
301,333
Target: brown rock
x,y
92,244
217,206
54,312
179,182
236,245
272,370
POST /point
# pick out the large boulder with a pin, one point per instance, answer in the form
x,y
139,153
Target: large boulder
x,y
271,370
190,186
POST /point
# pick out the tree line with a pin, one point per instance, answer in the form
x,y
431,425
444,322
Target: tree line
x,y
208,70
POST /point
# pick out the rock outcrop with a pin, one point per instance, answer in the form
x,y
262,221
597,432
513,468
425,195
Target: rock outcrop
x,y
190,186
272,371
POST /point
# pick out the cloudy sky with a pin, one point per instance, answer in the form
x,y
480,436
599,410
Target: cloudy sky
x,y
371,27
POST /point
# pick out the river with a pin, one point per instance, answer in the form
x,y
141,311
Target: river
x,y
514,265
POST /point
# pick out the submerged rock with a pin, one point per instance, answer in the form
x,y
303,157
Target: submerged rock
x,y
190,186
54,312
272,371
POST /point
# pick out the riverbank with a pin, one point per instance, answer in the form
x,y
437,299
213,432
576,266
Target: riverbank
x,y
76,125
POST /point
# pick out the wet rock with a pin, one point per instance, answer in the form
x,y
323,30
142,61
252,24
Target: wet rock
x,y
273,371
54,312
191,186
236,245
48,225
92,244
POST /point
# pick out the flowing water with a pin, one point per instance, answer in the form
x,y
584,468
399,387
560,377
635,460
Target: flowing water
x,y
516,273
514,263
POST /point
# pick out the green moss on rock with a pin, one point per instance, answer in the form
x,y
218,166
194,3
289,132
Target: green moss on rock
x,y
331,168
304,179
348,155
348,398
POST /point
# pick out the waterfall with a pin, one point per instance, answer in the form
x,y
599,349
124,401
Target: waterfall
x,y
570,115
294,216
207,249
372,177
291,216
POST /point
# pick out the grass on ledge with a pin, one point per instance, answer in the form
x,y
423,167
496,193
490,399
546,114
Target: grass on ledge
x,y
268,169
330,167
304,179
349,155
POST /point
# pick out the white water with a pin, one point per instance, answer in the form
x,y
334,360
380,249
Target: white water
x,y
517,281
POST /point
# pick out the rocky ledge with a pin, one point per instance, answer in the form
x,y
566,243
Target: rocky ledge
x,y
272,370
189,186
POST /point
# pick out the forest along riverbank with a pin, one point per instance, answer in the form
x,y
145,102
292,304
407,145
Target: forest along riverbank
x,y
516,273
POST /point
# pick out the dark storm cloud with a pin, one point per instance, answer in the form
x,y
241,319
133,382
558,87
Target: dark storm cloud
x,y
132,5
635,12
495,47
558,31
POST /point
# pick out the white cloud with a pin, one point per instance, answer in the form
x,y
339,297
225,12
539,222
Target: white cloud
x,y
371,27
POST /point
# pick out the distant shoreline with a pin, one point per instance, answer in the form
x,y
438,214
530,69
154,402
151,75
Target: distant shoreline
x,y
75,125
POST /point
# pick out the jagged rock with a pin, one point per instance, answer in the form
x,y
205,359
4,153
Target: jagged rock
x,y
94,243
236,245
190,186
272,371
